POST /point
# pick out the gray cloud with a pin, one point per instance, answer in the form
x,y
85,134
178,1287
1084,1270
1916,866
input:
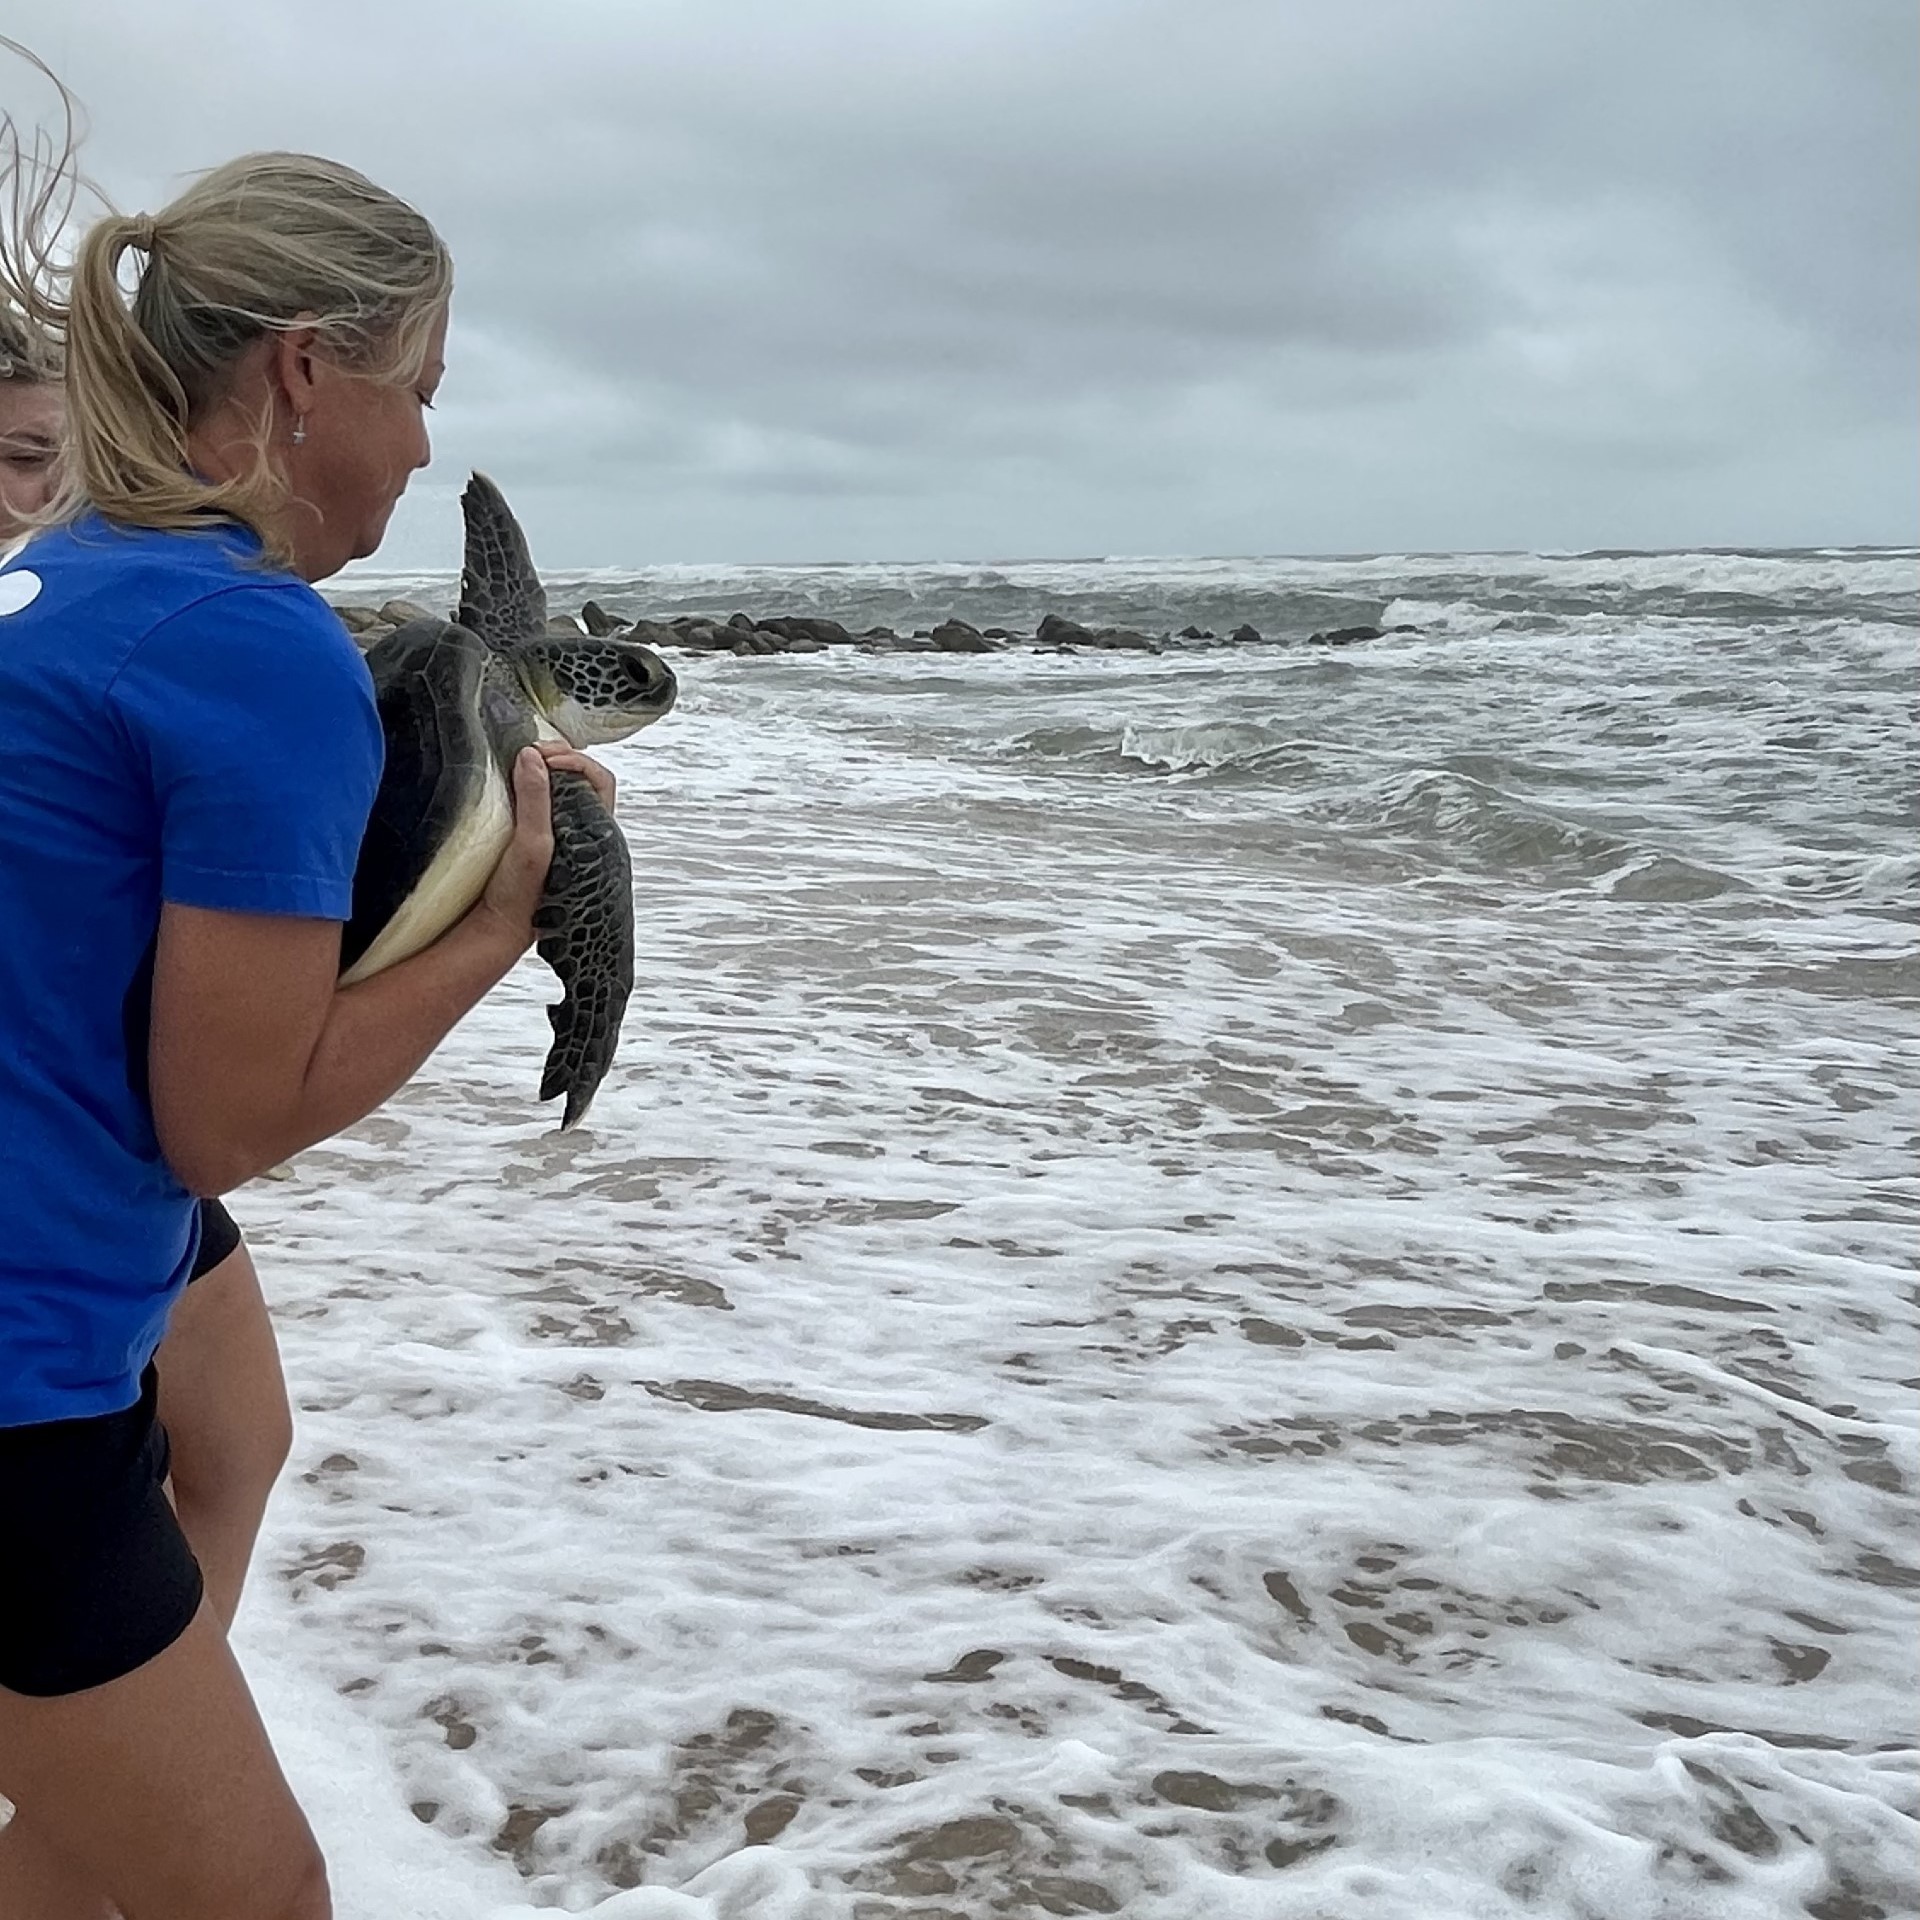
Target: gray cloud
x,y
1001,277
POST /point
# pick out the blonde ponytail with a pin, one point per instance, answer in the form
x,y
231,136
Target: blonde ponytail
x,y
127,411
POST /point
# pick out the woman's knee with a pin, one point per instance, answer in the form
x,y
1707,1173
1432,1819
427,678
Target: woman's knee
x,y
241,1468
298,1890
307,1896
260,1449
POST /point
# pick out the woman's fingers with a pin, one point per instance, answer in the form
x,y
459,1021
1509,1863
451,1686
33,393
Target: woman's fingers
x,y
518,881
532,801
532,813
566,759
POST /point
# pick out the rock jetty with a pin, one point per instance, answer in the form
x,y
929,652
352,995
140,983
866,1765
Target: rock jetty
x,y
747,636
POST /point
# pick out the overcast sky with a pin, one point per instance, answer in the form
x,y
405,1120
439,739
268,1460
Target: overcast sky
x,y
974,279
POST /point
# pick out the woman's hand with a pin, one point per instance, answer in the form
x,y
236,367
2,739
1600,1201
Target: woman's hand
x,y
519,882
520,877
565,759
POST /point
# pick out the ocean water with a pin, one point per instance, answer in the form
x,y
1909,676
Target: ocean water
x,y
1254,1283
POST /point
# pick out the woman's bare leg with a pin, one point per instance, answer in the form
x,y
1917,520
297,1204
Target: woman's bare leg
x,y
223,1402
162,1788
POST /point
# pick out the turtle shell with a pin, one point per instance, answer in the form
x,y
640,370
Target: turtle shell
x,y
454,718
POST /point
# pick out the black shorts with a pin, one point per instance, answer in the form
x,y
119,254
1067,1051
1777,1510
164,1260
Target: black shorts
x,y
218,1238
95,1575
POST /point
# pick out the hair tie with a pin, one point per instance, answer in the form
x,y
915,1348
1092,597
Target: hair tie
x,y
141,233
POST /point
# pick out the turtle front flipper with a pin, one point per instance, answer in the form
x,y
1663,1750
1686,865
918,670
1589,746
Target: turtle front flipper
x,y
501,598
586,937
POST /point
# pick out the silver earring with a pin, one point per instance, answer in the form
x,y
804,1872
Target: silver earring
x,y
300,431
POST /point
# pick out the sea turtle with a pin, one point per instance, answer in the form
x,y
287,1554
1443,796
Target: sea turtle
x,y
458,700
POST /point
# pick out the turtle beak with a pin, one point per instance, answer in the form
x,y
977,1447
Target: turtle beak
x,y
655,688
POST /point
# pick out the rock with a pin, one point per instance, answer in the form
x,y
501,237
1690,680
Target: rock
x,y
787,637
1124,639
358,619
697,630
1342,636
739,622
800,626
1244,633
880,633
956,636
396,613
1056,631
652,633
997,633
598,621
1194,633
562,623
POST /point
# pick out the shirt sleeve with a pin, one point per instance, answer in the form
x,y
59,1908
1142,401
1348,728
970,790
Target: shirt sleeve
x,y
255,716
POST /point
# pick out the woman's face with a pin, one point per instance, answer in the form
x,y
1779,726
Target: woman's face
x,y
31,418
364,440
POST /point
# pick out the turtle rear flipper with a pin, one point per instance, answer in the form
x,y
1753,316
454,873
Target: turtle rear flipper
x,y
586,937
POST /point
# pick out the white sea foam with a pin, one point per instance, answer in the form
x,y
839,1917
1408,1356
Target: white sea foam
x,y
1240,1285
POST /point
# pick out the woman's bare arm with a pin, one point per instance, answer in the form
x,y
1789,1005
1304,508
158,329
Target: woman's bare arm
x,y
258,1052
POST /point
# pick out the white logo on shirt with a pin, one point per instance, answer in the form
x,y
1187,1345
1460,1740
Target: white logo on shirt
x,y
18,590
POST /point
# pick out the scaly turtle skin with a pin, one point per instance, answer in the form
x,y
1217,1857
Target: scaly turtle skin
x,y
458,700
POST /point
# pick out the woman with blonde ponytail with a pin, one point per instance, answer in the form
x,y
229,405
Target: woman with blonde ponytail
x,y
222,1398
188,753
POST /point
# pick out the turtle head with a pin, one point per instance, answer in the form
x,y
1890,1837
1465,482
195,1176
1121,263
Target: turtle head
x,y
595,690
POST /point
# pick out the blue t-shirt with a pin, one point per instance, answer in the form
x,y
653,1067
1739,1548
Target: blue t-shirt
x,y
179,722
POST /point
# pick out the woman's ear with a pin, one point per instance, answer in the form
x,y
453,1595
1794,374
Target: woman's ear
x,y
293,369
